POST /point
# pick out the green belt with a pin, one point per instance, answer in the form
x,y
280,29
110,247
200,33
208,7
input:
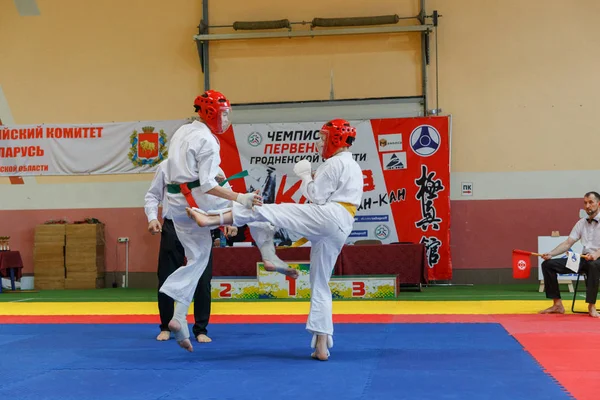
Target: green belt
x,y
174,188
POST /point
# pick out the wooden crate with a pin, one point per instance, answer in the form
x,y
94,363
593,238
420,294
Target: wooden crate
x,y
43,283
42,270
48,256
85,258
69,256
50,233
78,234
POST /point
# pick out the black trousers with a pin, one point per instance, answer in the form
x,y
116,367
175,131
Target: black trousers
x,y
552,267
171,257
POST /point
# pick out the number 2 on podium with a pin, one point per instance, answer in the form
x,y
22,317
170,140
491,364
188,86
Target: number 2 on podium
x,y
226,292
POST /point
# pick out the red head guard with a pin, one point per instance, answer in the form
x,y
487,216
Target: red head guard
x,y
215,110
338,133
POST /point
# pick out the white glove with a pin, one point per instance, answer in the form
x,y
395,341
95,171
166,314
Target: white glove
x,y
303,169
245,199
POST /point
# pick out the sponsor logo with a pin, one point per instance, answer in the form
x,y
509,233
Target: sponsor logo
x,y
425,140
255,139
393,161
382,232
372,218
390,142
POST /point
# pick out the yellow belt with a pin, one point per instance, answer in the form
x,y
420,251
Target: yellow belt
x,y
351,209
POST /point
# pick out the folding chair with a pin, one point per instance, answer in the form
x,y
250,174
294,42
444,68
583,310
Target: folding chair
x,y
575,294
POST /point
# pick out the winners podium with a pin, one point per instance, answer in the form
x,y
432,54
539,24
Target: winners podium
x,y
273,285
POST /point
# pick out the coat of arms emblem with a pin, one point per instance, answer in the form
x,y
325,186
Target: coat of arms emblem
x,y
147,147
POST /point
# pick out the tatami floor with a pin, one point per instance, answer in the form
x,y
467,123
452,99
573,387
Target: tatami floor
x,y
450,342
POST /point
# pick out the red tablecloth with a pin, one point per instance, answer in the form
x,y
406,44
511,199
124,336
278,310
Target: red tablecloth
x,y
10,259
405,260
241,261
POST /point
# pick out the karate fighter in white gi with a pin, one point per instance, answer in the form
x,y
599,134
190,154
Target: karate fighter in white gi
x,y
334,193
191,170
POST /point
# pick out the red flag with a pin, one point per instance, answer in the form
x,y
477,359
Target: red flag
x,y
521,263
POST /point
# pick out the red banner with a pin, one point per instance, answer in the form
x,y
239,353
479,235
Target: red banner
x,y
421,171
406,172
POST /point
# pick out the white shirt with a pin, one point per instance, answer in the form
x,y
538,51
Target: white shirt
x,y
588,233
338,179
193,155
156,194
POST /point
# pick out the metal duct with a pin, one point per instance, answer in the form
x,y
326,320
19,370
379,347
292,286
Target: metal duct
x,y
257,25
356,21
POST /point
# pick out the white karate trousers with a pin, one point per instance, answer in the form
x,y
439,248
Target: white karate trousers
x,y
327,227
197,243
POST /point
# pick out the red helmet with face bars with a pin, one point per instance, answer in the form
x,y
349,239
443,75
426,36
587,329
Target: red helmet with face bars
x,y
215,110
339,133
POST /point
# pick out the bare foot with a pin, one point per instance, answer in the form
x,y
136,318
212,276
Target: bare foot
x,y
187,345
201,219
202,338
291,272
184,342
553,310
321,353
163,336
592,311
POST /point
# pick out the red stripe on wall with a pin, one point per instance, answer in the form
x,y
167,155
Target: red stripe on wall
x,y
484,232
120,222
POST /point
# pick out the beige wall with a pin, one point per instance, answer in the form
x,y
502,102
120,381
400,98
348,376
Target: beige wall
x,y
519,77
300,69
93,61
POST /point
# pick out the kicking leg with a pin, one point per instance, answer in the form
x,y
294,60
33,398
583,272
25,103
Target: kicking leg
x,y
262,233
204,219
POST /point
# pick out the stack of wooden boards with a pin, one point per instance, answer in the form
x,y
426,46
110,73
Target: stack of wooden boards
x,y
69,256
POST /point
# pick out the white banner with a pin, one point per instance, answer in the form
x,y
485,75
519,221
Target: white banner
x,y
269,152
406,175
69,149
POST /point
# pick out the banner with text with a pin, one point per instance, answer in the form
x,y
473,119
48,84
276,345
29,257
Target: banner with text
x,y
405,162
406,172
112,148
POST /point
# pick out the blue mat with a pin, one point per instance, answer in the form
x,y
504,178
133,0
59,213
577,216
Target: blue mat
x,y
264,361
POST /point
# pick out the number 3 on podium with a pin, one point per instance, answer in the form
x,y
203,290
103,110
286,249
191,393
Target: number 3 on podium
x,y
358,289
